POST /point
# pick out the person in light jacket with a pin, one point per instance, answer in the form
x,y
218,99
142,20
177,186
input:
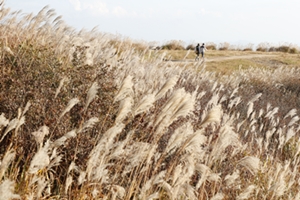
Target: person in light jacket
x,y
202,50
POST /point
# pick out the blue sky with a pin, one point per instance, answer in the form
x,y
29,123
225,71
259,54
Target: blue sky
x,y
234,21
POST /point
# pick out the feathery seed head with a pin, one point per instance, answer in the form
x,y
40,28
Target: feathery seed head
x,y
213,116
166,87
7,159
8,50
247,192
7,190
145,104
124,108
40,134
3,121
61,83
70,105
125,90
91,94
251,163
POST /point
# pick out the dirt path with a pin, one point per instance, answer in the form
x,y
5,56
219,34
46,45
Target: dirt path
x,y
222,58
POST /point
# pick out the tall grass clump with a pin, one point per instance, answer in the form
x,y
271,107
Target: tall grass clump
x,y
85,115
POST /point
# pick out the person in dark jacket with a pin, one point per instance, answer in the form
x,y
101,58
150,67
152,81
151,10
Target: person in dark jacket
x,y
197,51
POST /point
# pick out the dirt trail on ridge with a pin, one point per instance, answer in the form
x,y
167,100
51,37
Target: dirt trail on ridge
x,y
222,58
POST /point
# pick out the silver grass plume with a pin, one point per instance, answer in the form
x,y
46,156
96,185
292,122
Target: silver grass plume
x,y
136,154
226,138
218,196
157,179
166,87
271,113
118,148
61,141
61,83
186,107
144,105
293,121
234,92
153,196
232,179
69,179
88,124
251,163
178,137
91,94
125,90
213,116
28,104
234,102
205,172
180,104
246,193
40,134
255,98
7,190
170,106
81,178
117,191
40,160
291,113
7,159
290,133
3,121
96,163
279,185
124,108
8,50
70,105
41,185
11,125
250,109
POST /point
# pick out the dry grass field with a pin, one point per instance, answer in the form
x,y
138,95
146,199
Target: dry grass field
x,y
86,115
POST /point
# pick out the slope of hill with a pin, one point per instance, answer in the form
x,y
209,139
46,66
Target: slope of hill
x,y
85,115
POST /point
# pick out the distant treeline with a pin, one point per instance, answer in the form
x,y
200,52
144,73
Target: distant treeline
x,y
264,47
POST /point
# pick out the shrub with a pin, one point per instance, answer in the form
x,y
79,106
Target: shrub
x,y
211,46
224,46
264,47
293,50
190,47
283,48
173,45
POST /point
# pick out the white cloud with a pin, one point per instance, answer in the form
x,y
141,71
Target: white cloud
x,y
97,8
211,13
76,4
119,11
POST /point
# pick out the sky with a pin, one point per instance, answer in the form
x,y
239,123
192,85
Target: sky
x,y
234,21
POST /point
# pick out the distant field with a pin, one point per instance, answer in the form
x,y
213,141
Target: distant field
x,y
222,65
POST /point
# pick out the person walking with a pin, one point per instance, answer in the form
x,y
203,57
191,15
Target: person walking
x,y
197,51
202,50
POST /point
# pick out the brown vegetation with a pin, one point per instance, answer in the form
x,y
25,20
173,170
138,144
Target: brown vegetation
x,y
90,116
